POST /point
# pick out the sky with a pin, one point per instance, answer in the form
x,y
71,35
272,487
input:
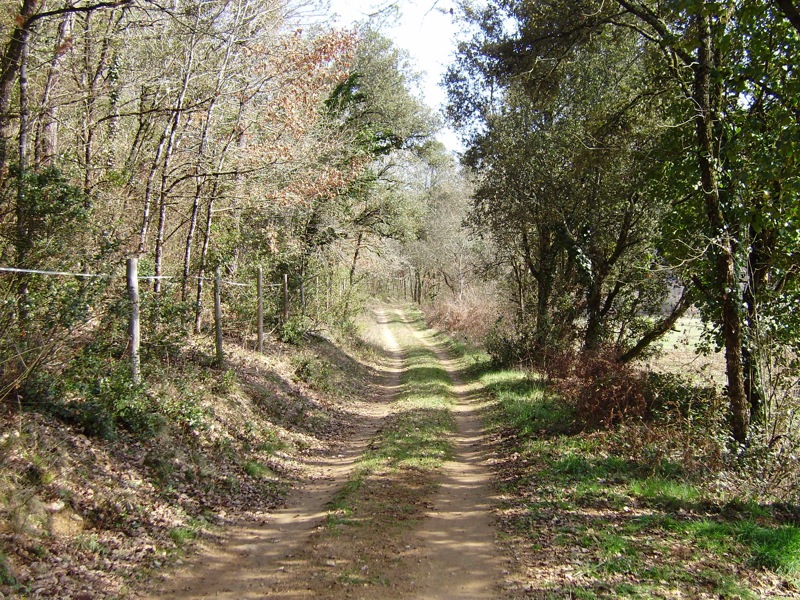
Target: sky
x,y
427,31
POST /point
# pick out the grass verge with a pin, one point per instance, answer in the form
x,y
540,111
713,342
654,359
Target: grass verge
x,y
590,521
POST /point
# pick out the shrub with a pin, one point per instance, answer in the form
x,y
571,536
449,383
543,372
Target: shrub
x,y
501,347
603,391
95,393
294,330
6,574
472,318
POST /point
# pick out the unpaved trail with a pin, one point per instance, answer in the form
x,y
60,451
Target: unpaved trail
x,y
459,535
449,552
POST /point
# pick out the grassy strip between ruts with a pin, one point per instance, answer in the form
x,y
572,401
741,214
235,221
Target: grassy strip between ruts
x,y
370,539
589,522
416,437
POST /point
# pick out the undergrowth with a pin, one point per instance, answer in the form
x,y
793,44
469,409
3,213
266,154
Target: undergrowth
x,y
95,470
651,506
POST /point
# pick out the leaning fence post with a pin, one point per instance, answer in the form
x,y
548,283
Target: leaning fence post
x,y
133,295
285,298
218,316
260,287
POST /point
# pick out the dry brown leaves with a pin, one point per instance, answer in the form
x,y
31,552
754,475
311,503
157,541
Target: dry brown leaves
x,y
83,518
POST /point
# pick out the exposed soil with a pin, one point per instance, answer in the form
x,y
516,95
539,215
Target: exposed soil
x,y
419,535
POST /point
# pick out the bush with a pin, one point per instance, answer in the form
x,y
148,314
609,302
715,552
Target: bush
x,y
294,330
669,395
94,393
603,391
501,347
473,318
166,323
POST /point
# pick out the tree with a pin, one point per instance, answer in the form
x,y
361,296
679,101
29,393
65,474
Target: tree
x,y
564,169
721,74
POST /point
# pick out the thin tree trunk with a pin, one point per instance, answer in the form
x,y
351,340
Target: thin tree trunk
x,y
660,328
355,258
187,254
162,196
9,69
23,231
198,315
46,143
148,194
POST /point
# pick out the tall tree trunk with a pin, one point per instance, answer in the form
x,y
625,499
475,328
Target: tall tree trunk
x,y
162,195
354,262
148,193
594,318
198,314
9,67
761,244
46,143
706,102
23,233
200,181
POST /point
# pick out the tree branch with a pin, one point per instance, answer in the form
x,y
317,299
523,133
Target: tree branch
x,y
661,328
74,9
790,11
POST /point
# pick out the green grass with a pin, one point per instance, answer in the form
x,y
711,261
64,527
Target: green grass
x,y
776,548
638,524
182,535
664,492
526,405
416,437
256,470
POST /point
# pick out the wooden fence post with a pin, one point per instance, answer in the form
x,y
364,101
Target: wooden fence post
x,y
285,298
260,286
218,316
303,297
133,295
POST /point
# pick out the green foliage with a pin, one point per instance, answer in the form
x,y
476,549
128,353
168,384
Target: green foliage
x,y
315,372
671,395
773,548
165,325
294,330
49,215
256,470
6,575
666,493
181,535
501,347
96,393
547,95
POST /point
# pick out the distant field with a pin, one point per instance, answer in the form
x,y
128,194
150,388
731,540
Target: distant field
x,y
679,354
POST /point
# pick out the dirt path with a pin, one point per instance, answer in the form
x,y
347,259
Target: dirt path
x,y
448,551
459,536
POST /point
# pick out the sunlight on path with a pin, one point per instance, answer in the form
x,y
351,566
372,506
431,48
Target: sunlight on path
x,y
459,535
449,554
254,560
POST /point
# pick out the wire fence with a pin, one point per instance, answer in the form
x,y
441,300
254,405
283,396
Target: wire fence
x,y
132,279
